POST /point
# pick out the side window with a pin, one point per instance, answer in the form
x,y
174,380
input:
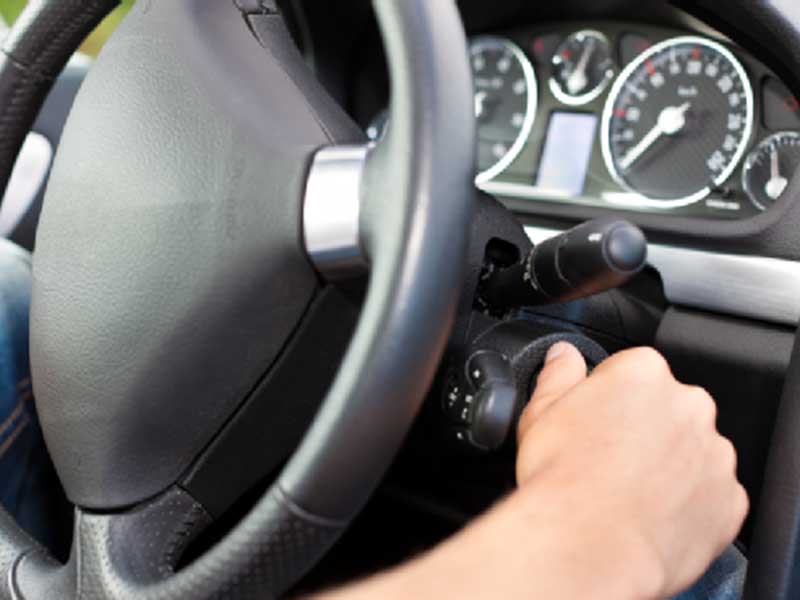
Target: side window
x,y
10,9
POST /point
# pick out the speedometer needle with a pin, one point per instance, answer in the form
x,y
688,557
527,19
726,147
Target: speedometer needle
x,y
670,121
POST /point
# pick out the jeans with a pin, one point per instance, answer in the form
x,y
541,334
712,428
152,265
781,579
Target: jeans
x,y
723,580
24,463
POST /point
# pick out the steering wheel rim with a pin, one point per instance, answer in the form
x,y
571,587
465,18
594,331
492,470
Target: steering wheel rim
x,y
417,181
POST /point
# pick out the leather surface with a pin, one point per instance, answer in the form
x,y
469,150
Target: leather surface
x,y
142,545
261,558
271,424
15,544
169,269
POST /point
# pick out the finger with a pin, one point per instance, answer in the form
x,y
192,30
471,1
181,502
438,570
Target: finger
x,y
564,368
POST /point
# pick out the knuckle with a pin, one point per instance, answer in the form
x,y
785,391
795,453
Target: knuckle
x,y
702,405
696,403
649,362
727,455
741,505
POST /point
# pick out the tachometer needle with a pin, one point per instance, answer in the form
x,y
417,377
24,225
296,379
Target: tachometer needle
x,y
777,183
670,121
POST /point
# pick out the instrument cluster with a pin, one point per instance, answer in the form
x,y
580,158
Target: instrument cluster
x,y
636,118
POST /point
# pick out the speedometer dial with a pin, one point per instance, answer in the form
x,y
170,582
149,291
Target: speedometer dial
x,y
505,102
677,121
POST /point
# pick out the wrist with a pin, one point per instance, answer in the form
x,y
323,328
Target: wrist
x,y
575,554
530,546
533,544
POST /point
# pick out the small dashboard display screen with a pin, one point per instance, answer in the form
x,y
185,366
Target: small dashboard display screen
x,y
566,153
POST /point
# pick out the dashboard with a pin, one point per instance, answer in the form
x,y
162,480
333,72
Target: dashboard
x,y
628,117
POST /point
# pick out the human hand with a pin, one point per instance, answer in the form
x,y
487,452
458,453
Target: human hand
x,y
636,457
626,491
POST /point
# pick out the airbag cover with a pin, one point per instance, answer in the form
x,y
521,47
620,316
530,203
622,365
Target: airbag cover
x,y
169,271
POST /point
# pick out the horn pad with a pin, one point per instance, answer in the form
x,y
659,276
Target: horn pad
x,y
169,270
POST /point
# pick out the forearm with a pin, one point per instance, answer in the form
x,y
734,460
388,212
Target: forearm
x,y
627,491
525,547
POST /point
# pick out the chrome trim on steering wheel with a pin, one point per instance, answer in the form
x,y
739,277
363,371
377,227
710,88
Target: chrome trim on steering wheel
x,y
331,210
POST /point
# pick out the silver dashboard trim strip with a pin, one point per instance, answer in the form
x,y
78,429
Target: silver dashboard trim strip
x,y
754,287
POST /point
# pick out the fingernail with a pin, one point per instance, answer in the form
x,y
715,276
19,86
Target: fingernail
x,y
555,351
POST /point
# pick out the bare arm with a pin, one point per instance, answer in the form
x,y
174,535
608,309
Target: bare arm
x,y
626,490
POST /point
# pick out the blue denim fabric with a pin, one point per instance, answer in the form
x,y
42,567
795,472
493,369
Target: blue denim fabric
x,y
23,458
723,580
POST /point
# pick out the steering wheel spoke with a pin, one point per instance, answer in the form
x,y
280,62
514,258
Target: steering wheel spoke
x,y
332,208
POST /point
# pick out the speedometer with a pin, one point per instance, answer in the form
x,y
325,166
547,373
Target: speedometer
x,y
677,122
505,102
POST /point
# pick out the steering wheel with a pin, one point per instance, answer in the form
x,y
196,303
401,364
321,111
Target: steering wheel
x,y
206,195
218,202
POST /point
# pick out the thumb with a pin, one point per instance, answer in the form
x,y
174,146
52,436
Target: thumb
x,y
564,368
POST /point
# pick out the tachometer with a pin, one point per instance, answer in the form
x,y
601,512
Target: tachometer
x,y
505,102
677,121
